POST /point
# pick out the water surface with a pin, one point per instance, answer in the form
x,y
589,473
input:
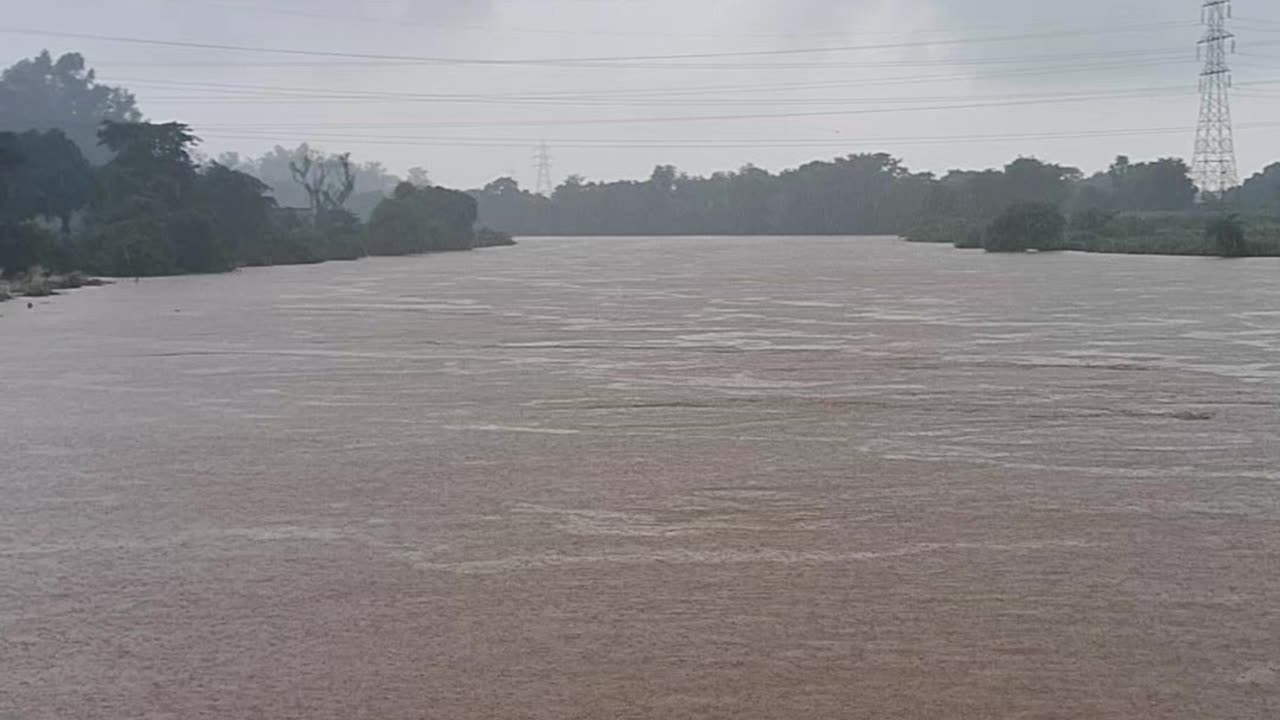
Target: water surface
x,y
649,478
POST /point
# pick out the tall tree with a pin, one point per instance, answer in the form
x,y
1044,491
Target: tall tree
x,y
147,218
1160,185
329,183
422,219
241,209
1261,192
52,179
152,161
43,93
372,181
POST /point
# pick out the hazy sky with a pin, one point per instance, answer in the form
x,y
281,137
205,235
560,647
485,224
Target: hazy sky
x,y
617,86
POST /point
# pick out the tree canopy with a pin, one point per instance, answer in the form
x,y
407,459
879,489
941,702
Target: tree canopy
x,y
46,176
42,93
422,219
1261,192
373,181
850,195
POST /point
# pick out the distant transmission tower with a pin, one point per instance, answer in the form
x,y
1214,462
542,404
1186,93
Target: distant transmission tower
x,y
542,161
1214,165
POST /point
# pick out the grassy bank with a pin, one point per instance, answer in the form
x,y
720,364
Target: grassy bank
x,y
39,283
1125,233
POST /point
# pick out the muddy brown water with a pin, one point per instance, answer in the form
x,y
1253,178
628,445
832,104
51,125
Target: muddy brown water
x,y
648,478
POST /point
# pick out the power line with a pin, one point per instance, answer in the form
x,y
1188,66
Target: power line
x,y
579,61
1168,53
669,93
610,32
755,143
276,93
1138,94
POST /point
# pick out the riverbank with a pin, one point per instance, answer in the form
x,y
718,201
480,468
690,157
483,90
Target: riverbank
x,y
39,283
1126,233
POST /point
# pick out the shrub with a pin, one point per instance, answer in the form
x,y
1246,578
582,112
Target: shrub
x,y
959,232
970,239
25,245
1026,226
1091,221
488,237
38,285
426,219
1227,234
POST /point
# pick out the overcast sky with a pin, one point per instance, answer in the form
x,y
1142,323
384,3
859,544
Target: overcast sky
x,y
612,89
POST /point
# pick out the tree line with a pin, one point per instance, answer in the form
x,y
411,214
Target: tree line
x,y
852,195
132,198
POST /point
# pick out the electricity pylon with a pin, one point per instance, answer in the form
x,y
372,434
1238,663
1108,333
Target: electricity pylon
x,y
1214,166
542,162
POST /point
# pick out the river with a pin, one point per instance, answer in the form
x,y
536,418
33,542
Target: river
x,y
648,478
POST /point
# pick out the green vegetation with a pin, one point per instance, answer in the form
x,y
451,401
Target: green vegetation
x,y
1132,207
40,283
1227,235
422,219
86,184
128,198
43,93
1025,226
488,237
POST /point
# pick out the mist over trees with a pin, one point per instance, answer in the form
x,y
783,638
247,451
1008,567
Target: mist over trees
x,y
135,199
86,184
43,93
45,175
422,219
851,195
1260,193
373,182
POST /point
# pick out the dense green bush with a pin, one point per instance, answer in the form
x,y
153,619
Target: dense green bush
x,y
25,245
1026,226
488,237
1227,235
422,219
339,235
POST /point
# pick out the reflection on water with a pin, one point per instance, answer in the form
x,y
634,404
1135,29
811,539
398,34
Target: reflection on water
x,y
747,478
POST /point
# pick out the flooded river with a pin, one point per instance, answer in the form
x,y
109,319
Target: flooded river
x,y
648,478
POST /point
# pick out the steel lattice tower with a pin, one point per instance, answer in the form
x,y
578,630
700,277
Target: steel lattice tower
x,y
1214,166
542,162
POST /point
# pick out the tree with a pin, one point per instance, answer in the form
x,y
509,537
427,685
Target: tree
x,y
152,166
416,219
1026,226
506,205
1260,193
328,183
1028,180
50,179
23,246
10,158
419,176
242,211
1227,235
42,175
146,218
1161,185
43,93
372,181
162,150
